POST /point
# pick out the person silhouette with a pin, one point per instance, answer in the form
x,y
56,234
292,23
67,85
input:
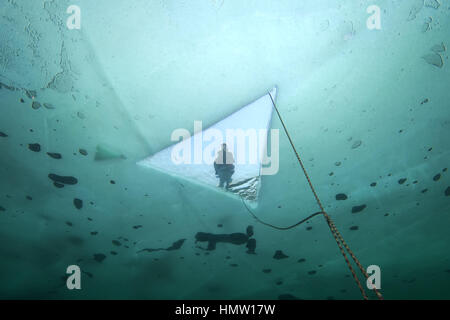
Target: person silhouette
x,y
224,166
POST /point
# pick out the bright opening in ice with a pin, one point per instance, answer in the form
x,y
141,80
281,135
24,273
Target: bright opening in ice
x,y
245,133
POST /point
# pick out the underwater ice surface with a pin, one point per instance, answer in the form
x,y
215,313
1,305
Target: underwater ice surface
x,y
368,111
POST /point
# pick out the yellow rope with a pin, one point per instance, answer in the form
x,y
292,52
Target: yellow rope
x,y
336,234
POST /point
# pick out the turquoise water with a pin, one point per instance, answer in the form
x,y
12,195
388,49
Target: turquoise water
x,y
366,109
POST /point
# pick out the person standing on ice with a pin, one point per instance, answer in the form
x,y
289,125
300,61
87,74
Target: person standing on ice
x,y
224,166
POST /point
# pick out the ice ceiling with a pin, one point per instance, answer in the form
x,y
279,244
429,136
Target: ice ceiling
x,y
367,109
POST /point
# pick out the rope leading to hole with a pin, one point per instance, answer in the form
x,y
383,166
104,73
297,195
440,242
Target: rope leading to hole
x,y
275,227
336,234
